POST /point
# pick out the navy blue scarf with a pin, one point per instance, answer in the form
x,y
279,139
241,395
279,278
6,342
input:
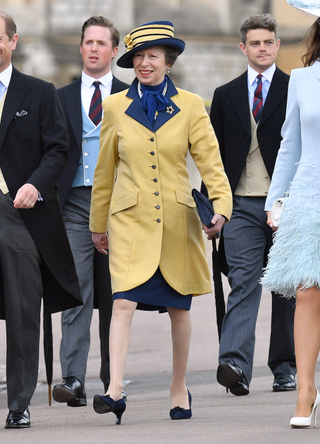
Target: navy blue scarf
x,y
153,100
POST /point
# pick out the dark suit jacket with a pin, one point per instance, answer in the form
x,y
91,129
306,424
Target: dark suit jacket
x,y
33,149
70,98
230,118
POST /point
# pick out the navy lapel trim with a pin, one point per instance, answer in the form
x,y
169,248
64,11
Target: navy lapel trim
x,y
137,113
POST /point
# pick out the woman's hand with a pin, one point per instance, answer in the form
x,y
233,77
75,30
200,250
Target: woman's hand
x,y
101,242
217,221
269,221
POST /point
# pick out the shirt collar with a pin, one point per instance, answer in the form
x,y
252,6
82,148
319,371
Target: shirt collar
x,y
5,76
267,74
105,80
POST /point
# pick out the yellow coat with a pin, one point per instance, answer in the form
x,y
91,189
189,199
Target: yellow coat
x,y
142,193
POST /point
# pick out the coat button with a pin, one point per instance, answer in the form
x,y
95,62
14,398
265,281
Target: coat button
x,y
158,220
157,193
155,179
154,167
152,153
158,207
152,139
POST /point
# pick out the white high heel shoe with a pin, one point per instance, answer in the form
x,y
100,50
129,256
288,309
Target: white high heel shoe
x,y
302,421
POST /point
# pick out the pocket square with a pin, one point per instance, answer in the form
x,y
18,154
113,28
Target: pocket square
x,y
204,207
21,113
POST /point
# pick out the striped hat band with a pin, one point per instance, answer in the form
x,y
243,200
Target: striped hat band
x,y
157,33
145,34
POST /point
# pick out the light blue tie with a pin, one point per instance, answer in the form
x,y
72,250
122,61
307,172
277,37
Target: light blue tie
x,y
2,89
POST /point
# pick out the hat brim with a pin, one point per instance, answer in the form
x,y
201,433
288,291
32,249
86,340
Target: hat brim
x,y
314,11
126,60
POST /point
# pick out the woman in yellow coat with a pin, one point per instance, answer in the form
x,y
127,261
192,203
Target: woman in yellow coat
x,y
142,197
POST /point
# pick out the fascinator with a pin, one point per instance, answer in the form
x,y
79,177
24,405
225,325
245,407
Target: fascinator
x,y
308,6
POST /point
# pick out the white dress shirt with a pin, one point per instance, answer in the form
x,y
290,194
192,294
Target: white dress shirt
x,y
267,76
87,88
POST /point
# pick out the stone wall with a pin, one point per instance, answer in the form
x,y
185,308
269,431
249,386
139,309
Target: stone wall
x,y
49,36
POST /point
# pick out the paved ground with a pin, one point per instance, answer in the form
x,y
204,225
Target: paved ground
x,y
261,417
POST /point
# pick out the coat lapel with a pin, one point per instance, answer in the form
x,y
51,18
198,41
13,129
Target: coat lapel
x,y
74,106
117,85
316,69
239,98
15,95
136,111
277,91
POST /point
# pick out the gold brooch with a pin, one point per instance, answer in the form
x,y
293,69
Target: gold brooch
x,y
170,110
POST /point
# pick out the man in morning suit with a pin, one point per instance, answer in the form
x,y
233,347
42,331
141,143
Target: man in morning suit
x,y
81,103
247,115
35,256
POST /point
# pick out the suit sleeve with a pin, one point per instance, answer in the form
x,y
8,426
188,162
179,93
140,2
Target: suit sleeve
x,y
290,149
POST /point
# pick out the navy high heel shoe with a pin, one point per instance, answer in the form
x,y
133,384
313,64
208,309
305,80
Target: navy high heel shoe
x,y
180,413
105,404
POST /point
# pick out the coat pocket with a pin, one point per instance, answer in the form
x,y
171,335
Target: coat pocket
x,y
185,199
125,202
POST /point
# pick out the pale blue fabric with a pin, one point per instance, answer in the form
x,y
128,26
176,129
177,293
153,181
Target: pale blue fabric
x,y
294,259
2,89
90,151
308,4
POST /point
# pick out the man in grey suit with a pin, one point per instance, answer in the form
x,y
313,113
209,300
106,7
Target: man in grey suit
x,y
81,103
247,115
35,256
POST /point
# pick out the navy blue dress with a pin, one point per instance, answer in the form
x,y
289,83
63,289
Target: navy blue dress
x,y
156,294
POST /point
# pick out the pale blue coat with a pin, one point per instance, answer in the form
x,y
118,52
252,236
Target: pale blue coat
x,y
294,259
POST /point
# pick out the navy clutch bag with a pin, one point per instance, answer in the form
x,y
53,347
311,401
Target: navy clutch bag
x,y
204,207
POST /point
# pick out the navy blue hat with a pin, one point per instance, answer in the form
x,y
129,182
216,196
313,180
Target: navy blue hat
x,y
147,35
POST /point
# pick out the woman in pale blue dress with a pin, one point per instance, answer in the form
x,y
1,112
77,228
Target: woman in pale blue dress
x,y
294,261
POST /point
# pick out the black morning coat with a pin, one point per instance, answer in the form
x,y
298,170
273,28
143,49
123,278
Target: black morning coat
x,y
34,149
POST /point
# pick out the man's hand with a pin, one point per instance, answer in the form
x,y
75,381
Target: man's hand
x,y
101,242
26,197
217,221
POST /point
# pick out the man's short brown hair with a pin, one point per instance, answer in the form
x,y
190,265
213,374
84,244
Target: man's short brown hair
x,y
11,27
105,23
258,21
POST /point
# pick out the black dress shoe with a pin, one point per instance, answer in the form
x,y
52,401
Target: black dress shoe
x,y
231,376
283,382
17,420
70,391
